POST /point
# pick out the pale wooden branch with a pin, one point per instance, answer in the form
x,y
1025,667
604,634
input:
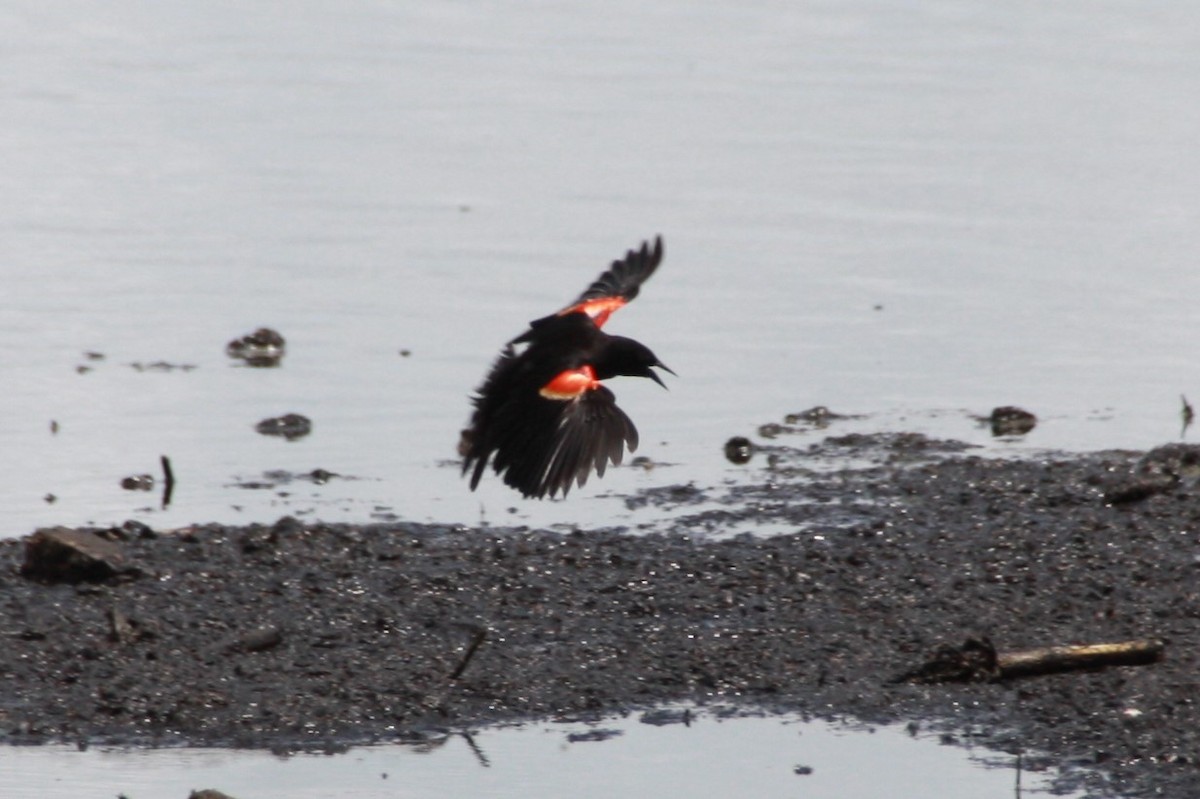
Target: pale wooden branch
x,y
978,661
1055,659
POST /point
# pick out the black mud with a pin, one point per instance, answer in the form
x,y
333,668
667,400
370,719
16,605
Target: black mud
x,y
882,548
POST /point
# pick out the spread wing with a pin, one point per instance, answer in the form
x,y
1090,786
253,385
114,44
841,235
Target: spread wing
x,y
562,442
615,288
541,441
620,284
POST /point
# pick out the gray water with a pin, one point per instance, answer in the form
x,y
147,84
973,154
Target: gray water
x,y
914,211
709,758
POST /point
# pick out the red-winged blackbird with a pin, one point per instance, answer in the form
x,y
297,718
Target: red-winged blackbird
x,y
541,416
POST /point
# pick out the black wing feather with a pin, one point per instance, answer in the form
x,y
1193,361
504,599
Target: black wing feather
x,y
625,277
542,446
561,442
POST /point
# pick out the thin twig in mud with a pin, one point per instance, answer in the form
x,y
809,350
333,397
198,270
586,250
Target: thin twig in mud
x,y
476,640
434,700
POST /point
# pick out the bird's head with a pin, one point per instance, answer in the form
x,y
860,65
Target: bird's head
x,y
624,356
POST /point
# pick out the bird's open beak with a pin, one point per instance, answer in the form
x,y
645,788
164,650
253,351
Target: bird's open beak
x,y
654,375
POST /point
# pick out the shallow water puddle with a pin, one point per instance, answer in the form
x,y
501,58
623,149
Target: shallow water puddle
x,y
622,757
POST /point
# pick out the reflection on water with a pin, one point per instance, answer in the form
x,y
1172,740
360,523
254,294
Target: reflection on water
x,y
772,757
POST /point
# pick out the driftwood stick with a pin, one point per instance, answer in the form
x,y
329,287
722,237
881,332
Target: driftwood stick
x,y
1055,659
978,661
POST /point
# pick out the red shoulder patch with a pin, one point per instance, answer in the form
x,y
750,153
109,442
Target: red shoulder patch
x,y
569,384
598,309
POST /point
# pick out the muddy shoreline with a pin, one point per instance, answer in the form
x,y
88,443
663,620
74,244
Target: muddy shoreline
x,y
883,547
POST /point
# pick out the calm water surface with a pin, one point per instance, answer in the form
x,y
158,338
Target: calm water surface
x,y
909,210
891,209
708,759
913,211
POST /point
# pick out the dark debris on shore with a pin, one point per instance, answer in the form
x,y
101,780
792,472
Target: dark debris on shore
x,y
312,635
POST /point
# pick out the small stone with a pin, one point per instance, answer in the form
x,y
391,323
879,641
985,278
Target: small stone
x,y
290,426
818,415
262,348
739,450
287,526
1010,420
321,476
1139,488
260,639
59,554
772,429
136,529
138,482
122,629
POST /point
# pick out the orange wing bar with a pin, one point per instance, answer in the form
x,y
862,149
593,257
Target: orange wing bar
x,y
570,384
598,309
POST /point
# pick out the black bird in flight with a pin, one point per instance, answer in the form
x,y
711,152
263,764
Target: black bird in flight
x,y
541,416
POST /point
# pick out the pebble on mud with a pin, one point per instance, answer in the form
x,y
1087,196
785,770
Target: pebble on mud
x,y
259,639
321,476
138,482
262,348
1009,420
773,429
739,450
817,415
291,426
1161,470
59,554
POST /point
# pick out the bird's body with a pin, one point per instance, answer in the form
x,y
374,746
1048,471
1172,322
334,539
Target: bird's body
x,y
542,417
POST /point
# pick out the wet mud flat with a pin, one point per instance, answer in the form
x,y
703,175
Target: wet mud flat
x,y
883,548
